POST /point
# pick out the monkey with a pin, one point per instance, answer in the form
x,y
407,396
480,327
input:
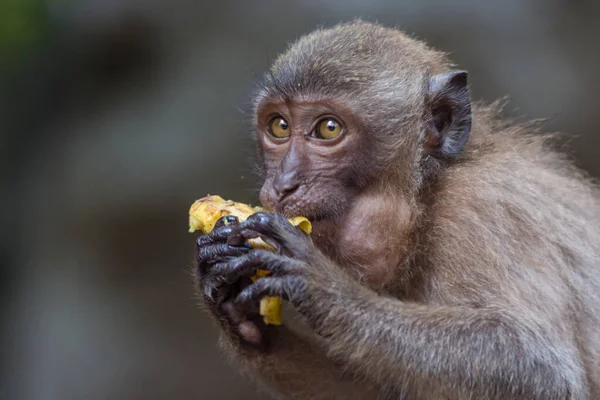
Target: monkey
x,y
455,253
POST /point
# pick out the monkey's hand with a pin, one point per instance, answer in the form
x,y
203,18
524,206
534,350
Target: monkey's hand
x,y
218,290
298,271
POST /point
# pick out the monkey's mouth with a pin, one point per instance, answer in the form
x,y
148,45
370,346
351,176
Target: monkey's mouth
x,y
304,202
291,208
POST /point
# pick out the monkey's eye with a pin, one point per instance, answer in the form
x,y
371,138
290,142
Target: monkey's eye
x,y
328,129
278,127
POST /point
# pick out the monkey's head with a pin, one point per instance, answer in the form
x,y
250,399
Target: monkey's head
x,y
339,112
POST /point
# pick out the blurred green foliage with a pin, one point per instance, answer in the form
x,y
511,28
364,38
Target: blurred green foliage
x,y
23,27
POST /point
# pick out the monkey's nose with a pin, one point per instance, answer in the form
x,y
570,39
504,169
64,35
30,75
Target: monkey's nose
x,y
284,188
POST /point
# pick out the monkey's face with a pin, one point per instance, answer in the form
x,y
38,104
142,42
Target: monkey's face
x,y
309,150
340,111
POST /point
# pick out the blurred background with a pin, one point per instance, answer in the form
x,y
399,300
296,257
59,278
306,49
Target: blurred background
x,y
116,114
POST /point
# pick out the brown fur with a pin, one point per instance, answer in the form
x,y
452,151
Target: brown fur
x,y
478,275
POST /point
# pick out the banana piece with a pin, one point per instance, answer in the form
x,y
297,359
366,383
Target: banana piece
x,y
205,213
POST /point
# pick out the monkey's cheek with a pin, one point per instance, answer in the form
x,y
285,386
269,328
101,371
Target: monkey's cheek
x,y
266,197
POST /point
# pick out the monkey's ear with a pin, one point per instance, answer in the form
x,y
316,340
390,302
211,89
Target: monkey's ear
x,y
450,104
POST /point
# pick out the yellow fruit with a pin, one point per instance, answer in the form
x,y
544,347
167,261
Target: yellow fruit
x,y
205,213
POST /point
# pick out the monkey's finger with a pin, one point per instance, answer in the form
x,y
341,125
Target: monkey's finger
x,y
214,298
232,312
223,272
224,293
220,232
247,234
210,292
287,287
273,229
216,292
235,315
218,235
238,241
211,254
245,328
237,287
265,224
226,221
258,259
245,266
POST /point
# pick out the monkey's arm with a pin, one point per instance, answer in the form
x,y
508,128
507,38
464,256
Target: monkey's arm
x,y
420,350
468,352
295,367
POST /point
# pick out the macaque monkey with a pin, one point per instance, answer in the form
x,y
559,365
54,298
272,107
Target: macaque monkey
x,y
453,256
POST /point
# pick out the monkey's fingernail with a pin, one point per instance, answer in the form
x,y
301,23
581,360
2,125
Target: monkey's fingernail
x,y
225,221
230,220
